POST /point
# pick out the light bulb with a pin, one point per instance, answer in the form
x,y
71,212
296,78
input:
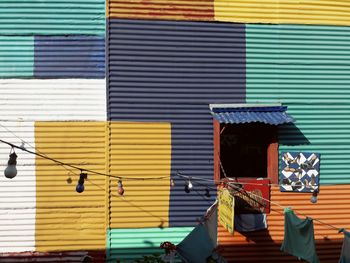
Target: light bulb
x,y
80,186
314,198
207,193
188,186
11,170
172,183
120,188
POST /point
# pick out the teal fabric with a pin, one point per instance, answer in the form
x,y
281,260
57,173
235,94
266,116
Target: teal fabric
x,y
345,253
196,247
299,237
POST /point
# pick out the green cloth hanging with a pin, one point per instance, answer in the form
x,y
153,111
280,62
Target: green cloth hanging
x,y
299,237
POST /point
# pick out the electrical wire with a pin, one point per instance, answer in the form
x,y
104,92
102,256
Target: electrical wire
x,y
81,168
232,184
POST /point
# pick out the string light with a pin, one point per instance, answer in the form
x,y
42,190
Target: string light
x,y
12,162
11,170
188,186
120,188
80,186
313,198
172,182
207,192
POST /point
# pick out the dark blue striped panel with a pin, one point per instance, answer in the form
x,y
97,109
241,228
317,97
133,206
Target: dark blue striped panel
x,y
171,71
69,57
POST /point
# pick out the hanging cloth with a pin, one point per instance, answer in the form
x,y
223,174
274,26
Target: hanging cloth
x,y
345,252
211,223
299,237
250,222
196,247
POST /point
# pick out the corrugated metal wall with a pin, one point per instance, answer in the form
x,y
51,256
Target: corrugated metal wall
x,y
333,207
308,69
136,243
67,220
59,99
47,17
69,57
16,56
18,195
162,9
320,12
162,71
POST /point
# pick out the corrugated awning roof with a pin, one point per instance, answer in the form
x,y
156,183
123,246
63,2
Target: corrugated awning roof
x,y
245,113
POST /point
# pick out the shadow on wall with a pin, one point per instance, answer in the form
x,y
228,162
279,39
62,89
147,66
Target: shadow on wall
x,y
290,134
259,247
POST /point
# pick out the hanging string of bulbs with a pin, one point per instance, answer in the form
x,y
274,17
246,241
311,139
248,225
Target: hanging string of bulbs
x,y
11,171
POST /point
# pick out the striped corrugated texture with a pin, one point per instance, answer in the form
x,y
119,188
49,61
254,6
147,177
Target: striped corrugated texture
x,y
57,99
48,17
308,69
67,220
140,150
320,12
69,57
131,244
17,195
333,207
16,56
162,9
163,71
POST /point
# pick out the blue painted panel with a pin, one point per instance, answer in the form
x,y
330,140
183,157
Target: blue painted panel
x,y
69,57
171,71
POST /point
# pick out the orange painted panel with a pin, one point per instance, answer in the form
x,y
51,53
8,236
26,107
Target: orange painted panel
x,y
333,207
194,10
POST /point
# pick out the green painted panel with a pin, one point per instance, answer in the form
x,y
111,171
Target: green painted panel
x,y
16,56
306,68
130,244
52,17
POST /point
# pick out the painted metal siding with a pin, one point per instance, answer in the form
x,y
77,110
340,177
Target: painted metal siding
x,y
16,56
131,244
67,220
47,17
333,207
69,57
140,150
17,195
202,10
320,12
161,71
58,99
306,68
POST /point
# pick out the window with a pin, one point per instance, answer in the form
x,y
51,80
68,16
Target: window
x,y
246,150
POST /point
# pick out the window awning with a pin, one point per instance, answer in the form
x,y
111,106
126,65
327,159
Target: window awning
x,y
247,113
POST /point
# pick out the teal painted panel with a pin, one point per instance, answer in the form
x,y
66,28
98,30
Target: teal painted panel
x,y
16,56
306,68
52,17
130,244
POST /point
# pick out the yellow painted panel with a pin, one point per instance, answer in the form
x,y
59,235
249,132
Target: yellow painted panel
x,y
317,12
140,150
162,9
65,219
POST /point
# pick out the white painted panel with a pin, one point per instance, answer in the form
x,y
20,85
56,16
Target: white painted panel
x,y
52,99
17,195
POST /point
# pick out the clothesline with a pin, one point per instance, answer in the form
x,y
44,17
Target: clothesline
x,y
233,185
